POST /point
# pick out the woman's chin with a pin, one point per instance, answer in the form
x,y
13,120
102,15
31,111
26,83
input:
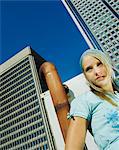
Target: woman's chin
x,y
101,83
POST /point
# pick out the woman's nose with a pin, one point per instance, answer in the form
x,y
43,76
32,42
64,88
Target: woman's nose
x,y
96,70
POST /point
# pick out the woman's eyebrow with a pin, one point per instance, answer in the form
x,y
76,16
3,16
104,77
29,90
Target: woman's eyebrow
x,y
87,68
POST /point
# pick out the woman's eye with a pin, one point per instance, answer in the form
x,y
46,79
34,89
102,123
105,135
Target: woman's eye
x,y
99,64
88,69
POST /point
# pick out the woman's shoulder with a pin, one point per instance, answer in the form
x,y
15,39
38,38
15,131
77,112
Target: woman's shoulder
x,y
87,95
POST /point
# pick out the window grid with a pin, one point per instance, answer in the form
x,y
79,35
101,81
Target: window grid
x,y
22,122
26,99
18,93
13,112
15,82
98,17
5,73
17,87
20,118
20,72
16,68
20,133
17,97
22,125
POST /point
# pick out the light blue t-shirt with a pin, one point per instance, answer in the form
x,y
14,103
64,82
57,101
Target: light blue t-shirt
x,y
104,118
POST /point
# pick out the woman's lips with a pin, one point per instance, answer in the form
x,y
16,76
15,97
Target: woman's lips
x,y
100,78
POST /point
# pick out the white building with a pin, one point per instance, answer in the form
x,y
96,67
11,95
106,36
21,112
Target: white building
x,y
27,114
98,21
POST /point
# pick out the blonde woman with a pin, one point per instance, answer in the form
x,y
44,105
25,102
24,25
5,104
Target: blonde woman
x,y
98,108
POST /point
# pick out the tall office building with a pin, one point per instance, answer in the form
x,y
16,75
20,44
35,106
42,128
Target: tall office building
x,y
98,21
25,122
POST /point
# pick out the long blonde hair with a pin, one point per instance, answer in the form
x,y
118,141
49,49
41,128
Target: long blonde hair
x,y
107,62
104,97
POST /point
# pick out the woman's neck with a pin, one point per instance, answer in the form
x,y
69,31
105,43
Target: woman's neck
x,y
108,88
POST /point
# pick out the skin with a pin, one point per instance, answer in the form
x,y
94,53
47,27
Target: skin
x,y
95,72
76,134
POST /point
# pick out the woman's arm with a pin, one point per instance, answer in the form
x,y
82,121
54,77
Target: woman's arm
x,y
76,134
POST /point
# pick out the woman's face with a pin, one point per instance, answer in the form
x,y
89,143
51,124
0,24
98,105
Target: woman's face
x,y
95,71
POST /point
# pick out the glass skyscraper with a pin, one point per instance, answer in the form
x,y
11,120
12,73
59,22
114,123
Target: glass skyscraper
x,y
99,21
24,121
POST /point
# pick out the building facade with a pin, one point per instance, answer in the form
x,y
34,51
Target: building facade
x,y
98,21
24,119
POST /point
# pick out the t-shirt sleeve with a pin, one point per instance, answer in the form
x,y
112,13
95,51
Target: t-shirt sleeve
x,y
80,108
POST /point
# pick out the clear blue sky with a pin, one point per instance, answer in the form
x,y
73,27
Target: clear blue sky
x,y
47,27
